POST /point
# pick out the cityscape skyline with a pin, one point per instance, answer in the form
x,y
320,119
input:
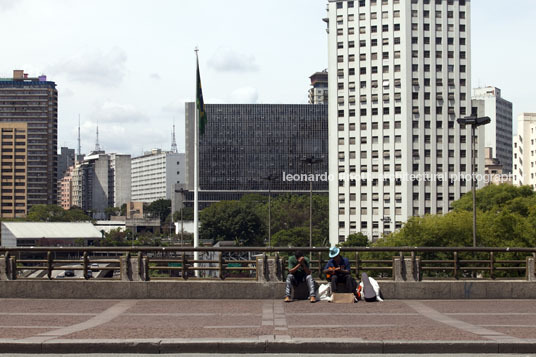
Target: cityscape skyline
x,y
132,91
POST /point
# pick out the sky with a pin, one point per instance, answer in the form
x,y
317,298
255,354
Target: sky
x,y
128,66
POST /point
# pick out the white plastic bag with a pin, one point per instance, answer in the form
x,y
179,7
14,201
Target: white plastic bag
x,y
324,292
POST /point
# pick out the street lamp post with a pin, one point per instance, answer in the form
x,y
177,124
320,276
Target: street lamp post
x,y
270,178
475,122
311,160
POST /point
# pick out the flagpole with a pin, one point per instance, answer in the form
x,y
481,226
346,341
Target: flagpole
x,y
196,174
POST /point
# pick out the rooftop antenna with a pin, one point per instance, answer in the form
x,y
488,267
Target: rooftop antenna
x,y
97,146
173,141
79,147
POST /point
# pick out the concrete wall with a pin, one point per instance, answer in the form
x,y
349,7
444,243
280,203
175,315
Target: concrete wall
x,y
180,289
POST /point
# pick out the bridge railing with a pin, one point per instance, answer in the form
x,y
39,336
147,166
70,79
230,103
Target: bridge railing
x,y
261,263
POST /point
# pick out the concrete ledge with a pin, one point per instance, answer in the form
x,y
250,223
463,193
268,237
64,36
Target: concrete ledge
x,y
320,346
95,289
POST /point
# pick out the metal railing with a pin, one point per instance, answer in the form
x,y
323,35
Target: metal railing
x,y
240,263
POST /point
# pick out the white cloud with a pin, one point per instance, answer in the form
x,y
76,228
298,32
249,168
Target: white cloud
x,y
227,60
176,107
245,95
6,5
110,112
98,68
133,138
155,76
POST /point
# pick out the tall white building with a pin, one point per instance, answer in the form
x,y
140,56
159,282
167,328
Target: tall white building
x,y
498,134
120,173
100,181
524,155
399,77
155,174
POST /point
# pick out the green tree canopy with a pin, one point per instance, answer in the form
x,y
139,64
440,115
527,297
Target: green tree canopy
x,y
54,213
355,240
159,209
506,217
232,221
298,237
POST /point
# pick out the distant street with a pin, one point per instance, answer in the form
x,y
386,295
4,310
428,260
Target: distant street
x,y
188,326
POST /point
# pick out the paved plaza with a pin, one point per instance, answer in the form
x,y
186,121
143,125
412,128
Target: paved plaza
x,y
238,326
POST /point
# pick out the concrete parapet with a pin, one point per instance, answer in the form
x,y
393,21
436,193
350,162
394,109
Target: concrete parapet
x,y
531,269
406,269
4,263
181,289
269,269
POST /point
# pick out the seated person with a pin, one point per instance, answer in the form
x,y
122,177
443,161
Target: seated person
x,y
299,272
337,270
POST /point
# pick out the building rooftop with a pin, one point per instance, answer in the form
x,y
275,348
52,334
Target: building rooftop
x,y
57,230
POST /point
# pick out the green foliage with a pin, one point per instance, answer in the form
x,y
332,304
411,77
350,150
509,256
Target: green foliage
x,y
54,213
123,211
289,219
506,217
355,240
298,237
187,214
292,211
159,209
494,197
112,211
232,221
117,238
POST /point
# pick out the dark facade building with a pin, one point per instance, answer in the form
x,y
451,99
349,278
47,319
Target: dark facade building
x,y
243,144
65,160
29,125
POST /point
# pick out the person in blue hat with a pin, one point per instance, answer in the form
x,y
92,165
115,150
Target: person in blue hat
x,y
338,270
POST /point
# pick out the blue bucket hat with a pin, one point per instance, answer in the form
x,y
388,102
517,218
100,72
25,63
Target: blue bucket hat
x,y
333,252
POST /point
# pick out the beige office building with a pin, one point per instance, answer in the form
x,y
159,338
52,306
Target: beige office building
x,y
28,160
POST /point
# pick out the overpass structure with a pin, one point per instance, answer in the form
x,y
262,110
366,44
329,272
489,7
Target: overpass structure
x,y
437,300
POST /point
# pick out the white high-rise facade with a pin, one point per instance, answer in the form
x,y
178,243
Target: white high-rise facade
x,y
524,155
399,77
498,134
155,174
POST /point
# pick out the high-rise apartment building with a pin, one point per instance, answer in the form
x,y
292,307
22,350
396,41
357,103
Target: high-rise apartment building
x,y
524,155
100,181
66,159
318,93
65,189
498,134
155,174
119,177
29,131
400,76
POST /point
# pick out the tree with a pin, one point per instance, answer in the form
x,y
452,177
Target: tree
x,y
231,221
506,217
112,211
355,240
187,214
159,209
292,211
116,238
54,213
75,214
298,237
123,211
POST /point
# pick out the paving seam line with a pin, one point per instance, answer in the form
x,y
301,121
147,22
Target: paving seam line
x,y
101,318
435,315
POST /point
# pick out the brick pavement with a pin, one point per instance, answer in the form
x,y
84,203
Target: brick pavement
x,y
158,326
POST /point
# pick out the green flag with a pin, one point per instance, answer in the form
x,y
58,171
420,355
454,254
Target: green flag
x,y
200,104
